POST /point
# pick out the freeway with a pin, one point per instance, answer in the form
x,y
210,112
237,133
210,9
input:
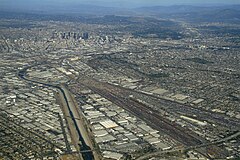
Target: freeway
x,y
88,155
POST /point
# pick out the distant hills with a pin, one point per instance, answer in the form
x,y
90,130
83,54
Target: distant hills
x,y
195,13
228,13
185,8
67,9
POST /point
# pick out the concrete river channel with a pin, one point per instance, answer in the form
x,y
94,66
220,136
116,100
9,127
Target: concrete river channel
x,y
85,150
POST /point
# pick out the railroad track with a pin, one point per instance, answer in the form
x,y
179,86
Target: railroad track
x,y
152,117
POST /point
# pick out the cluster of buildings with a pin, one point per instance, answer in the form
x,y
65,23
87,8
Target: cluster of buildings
x,y
70,35
32,123
116,131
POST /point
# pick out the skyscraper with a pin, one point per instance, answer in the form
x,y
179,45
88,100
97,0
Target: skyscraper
x,y
85,35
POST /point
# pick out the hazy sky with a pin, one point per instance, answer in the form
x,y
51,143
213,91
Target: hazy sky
x,y
114,3
165,1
